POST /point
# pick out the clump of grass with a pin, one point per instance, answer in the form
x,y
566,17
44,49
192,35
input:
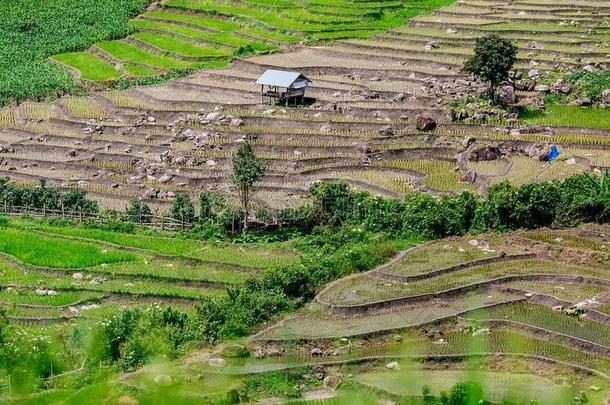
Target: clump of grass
x,y
568,116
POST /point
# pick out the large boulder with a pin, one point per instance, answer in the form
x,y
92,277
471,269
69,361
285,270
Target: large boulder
x,y
506,95
533,103
469,177
425,122
486,153
525,84
561,88
606,96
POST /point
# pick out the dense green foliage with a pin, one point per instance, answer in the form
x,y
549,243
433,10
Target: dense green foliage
x,y
592,84
182,209
493,59
33,30
578,199
137,211
43,197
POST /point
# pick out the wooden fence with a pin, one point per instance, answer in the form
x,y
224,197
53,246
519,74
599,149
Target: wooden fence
x,y
150,221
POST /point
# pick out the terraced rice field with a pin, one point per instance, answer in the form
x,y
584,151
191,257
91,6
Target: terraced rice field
x,y
52,274
154,141
186,34
537,295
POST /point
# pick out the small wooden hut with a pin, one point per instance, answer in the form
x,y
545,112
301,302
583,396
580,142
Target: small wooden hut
x,y
281,86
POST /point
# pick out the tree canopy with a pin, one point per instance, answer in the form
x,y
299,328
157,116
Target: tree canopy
x,y
493,59
248,169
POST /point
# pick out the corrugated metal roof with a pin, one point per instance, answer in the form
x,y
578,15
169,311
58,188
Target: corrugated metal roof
x,y
280,78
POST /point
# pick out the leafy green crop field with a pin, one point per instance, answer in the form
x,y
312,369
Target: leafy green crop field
x,y
33,30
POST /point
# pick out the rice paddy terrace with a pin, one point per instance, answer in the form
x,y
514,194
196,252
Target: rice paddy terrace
x,y
527,314
154,141
51,275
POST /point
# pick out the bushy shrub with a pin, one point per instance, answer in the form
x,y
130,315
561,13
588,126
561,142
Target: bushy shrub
x,y
182,209
138,212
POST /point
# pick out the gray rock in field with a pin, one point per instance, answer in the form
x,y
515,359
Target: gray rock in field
x,y
151,119
468,140
542,88
482,332
316,351
6,149
469,177
525,84
259,353
332,382
425,122
393,365
506,94
77,276
387,131
213,116
399,97
533,74
236,122
217,362
606,96
273,352
165,179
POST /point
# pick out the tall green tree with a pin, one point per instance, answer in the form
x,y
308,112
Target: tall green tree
x,y
182,209
248,169
137,211
492,60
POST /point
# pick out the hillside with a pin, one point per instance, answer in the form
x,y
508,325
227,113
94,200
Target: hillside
x,y
415,237
525,314
154,141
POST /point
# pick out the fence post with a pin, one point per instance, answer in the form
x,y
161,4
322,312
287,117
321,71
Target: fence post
x,y
63,213
44,210
80,213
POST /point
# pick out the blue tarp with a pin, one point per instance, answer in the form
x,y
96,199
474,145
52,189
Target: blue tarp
x,y
553,154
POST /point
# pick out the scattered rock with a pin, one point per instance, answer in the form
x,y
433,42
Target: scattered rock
x,y
468,140
525,84
393,366
236,122
316,351
424,122
387,131
486,153
469,177
217,362
273,352
332,382
482,332
506,95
